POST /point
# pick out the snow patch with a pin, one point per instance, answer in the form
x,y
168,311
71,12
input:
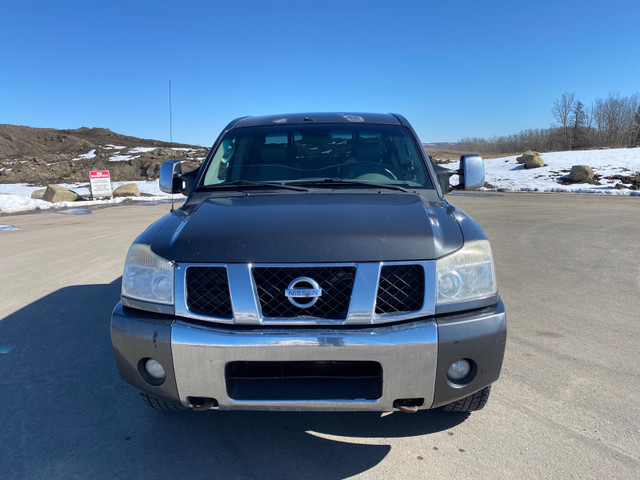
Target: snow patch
x,y
86,156
121,158
142,149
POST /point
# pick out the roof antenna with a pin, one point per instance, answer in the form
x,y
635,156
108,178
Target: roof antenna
x,y
171,136
170,116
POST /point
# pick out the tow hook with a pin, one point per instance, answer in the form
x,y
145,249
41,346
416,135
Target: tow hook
x,y
408,405
407,409
202,404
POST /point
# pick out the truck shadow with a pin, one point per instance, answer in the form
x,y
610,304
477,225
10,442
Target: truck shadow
x,y
67,413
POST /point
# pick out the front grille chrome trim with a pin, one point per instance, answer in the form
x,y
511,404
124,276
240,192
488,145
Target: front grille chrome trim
x,y
246,305
182,310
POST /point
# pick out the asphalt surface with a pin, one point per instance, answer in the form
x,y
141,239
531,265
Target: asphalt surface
x,y
566,405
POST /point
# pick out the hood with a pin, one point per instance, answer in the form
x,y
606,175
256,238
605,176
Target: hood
x,y
309,228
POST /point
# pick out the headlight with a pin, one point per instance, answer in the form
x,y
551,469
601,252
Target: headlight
x,y
467,274
147,276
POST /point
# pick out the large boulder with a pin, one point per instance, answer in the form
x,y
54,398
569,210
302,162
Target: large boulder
x,y
531,159
127,190
535,162
38,193
582,174
56,193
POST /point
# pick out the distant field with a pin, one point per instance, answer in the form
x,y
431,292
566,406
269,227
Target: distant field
x,y
442,155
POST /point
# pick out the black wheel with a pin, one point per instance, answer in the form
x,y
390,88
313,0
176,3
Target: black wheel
x,y
160,404
474,402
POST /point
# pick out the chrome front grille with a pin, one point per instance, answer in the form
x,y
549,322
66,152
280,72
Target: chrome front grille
x,y
336,284
351,294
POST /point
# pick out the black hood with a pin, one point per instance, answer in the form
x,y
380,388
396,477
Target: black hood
x,y
309,228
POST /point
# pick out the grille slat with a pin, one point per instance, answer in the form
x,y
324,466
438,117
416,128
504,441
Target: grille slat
x,y
208,291
401,289
336,284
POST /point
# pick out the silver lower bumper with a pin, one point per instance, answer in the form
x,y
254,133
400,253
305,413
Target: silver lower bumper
x,y
407,354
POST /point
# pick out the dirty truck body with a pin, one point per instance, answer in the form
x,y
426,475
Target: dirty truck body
x,y
315,265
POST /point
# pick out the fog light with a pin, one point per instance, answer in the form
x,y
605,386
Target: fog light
x,y
459,369
154,369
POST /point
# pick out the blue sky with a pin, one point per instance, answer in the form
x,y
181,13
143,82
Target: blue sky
x,y
453,68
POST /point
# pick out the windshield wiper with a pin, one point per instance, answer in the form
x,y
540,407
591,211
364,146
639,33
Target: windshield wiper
x,y
249,183
339,181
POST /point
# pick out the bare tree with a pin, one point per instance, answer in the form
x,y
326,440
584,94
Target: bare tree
x,y
579,120
612,122
635,129
632,111
614,119
562,109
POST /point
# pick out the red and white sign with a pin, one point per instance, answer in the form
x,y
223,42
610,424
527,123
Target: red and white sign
x,y
99,174
100,184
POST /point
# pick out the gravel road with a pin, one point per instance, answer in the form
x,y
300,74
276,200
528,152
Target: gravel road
x,y
566,405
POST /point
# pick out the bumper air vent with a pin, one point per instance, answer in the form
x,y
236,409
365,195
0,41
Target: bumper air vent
x,y
319,380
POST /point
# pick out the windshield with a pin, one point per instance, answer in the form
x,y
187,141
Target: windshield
x,y
377,154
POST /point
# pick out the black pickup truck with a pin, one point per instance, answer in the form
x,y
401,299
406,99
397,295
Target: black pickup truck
x,y
315,265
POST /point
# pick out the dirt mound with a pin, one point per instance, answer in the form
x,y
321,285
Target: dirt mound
x,y
17,141
45,155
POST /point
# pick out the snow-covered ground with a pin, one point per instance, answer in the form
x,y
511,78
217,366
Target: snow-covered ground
x,y
17,197
504,174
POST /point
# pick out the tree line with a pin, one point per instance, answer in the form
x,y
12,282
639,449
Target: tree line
x,y
612,122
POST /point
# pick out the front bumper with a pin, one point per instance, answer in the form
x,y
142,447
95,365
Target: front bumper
x,y
414,356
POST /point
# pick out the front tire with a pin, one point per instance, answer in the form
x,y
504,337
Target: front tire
x,y
160,404
472,403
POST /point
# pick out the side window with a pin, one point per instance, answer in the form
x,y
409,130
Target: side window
x,y
217,172
341,143
409,160
331,145
276,139
369,147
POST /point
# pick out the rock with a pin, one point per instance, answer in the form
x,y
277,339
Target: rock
x,y
56,193
581,174
531,159
535,162
526,155
127,190
38,193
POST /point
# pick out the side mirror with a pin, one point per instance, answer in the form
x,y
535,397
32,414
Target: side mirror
x,y
170,181
443,175
471,172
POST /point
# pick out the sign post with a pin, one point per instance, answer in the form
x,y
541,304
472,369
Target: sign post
x,y
100,184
